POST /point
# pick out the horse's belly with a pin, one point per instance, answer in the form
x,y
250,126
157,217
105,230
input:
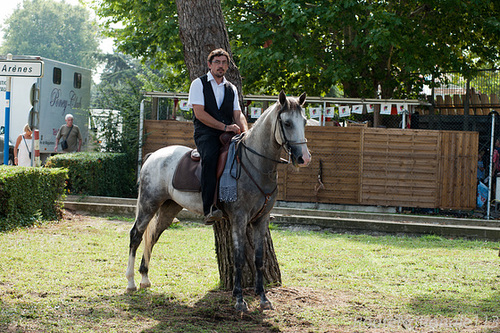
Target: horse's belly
x,y
189,200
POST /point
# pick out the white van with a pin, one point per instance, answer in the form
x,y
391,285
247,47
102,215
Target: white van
x,y
44,102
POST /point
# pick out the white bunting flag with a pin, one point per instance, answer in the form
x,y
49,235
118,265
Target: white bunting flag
x,y
385,108
357,109
330,112
183,105
256,112
370,108
344,111
315,112
402,107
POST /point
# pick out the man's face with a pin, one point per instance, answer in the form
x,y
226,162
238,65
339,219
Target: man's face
x,y
69,122
218,66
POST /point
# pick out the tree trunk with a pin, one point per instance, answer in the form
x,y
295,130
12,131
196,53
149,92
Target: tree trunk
x,y
202,29
225,258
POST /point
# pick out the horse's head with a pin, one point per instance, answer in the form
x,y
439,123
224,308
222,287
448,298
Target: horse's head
x,y
290,132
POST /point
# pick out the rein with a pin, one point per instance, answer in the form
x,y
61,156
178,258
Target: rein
x,y
267,196
281,160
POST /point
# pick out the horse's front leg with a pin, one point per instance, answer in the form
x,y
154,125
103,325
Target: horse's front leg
x,y
260,231
238,232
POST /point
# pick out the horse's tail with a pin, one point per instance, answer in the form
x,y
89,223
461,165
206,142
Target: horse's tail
x,y
146,157
161,221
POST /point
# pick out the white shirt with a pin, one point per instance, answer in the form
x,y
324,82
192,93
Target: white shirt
x,y
196,92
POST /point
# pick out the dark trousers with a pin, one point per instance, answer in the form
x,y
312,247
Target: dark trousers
x,y
208,147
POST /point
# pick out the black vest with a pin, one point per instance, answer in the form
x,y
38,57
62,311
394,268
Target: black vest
x,y
224,114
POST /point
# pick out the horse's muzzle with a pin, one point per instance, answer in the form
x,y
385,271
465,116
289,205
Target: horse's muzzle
x,y
301,156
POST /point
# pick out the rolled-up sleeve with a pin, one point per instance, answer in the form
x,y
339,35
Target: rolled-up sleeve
x,y
236,102
196,93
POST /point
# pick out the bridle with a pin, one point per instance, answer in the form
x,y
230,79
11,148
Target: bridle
x,y
285,144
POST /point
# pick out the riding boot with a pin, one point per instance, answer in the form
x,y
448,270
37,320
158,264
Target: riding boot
x,y
214,216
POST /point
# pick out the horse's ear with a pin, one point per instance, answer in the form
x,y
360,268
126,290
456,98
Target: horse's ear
x,y
282,97
302,99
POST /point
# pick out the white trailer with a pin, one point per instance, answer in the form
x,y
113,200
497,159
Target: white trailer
x,y
44,102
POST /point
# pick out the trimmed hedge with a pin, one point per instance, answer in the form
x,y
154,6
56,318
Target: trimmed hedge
x,y
96,173
30,194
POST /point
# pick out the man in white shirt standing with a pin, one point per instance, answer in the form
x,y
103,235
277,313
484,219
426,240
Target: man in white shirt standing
x,y
214,101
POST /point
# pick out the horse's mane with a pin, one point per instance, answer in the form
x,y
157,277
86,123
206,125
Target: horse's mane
x,y
292,104
266,113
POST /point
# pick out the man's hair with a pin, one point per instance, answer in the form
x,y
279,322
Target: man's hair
x,y
218,53
69,115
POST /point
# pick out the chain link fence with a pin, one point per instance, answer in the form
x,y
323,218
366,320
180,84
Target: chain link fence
x,y
470,104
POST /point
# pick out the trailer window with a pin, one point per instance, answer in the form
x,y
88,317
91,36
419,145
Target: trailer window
x,y
56,75
77,80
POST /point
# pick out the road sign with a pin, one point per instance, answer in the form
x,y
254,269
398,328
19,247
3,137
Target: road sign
x,y
21,68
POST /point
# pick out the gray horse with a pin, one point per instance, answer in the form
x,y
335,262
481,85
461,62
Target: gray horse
x,y
280,126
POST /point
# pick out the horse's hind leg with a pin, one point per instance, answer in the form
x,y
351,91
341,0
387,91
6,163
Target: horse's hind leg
x,y
145,213
168,211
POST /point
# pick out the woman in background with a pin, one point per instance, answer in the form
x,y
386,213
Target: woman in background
x,y
22,152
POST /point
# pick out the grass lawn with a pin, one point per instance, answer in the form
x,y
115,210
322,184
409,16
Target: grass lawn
x,y
70,277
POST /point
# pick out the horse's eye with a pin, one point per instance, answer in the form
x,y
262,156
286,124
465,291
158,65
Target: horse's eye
x,y
288,124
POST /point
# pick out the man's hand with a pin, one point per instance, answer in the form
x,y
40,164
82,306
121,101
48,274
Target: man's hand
x,y
233,128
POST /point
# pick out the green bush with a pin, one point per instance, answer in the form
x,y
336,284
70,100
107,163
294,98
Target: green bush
x,y
97,173
30,194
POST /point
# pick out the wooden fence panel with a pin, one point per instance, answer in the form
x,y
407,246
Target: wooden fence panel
x,y
458,161
366,166
400,167
161,133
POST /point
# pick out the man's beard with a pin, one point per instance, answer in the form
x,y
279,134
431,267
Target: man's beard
x,y
219,74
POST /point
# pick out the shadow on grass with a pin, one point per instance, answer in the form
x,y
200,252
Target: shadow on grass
x,y
401,240
487,309
212,313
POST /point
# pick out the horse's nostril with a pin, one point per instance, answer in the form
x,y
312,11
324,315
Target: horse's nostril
x,y
300,160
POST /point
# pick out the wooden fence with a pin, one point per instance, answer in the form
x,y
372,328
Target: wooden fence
x,y
367,166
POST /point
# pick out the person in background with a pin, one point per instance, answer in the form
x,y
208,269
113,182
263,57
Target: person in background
x,y
481,171
22,151
71,133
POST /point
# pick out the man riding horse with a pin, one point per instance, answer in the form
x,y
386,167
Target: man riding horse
x,y
214,101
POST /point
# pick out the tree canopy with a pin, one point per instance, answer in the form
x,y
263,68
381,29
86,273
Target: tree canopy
x,y
368,48
54,30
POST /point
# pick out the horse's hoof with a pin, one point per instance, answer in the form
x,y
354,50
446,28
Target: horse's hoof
x,y
145,285
266,306
131,289
241,306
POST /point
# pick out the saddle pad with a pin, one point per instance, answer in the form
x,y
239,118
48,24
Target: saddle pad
x,y
187,174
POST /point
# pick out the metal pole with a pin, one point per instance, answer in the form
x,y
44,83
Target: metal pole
x,y
6,135
490,180
324,114
36,148
139,157
403,115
